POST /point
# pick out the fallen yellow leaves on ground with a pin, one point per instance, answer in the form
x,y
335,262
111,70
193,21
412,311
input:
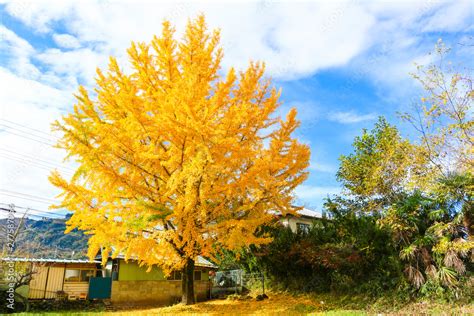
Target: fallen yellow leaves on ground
x,y
276,304
284,303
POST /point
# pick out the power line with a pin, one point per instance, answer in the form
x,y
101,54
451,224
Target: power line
x,y
31,208
25,132
29,195
53,163
35,134
26,214
33,163
30,128
24,198
37,212
39,141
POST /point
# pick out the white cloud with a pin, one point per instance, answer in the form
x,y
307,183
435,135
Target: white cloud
x,y
309,192
26,154
307,112
66,41
314,196
350,117
451,17
294,39
18,52
79,63
322,167
38,14
26,95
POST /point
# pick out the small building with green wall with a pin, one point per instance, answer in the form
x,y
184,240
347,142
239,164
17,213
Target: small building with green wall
x,y
134,284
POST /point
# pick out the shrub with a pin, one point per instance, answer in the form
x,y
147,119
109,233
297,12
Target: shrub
x,y
347,253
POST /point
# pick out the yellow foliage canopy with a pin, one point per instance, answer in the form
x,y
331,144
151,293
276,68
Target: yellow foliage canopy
x,y
176,160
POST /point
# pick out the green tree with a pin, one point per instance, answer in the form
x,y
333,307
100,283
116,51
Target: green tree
x,y
445,124
422,208
379,168
444,117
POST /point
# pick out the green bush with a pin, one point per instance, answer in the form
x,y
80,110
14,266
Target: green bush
x,y
347,253
417,247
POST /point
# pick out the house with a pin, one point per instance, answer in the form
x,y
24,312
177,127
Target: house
x,y
55,277
302,222
120,281
131,283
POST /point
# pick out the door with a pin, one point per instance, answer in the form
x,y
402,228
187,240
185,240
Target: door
x,y
100,288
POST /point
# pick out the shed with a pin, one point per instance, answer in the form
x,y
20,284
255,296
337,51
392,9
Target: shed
x,y
55,276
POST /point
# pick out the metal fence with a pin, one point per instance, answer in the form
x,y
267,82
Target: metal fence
x,y
236,282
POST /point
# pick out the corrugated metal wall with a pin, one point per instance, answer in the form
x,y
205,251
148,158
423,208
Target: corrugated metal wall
x,y
48,280
38,282
55,281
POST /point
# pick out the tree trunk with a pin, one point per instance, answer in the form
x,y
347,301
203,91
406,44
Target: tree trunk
x,y
469,220
187,284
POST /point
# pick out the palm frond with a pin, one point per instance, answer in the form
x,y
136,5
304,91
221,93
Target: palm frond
x,y
447,276
431,272
452,260
415,276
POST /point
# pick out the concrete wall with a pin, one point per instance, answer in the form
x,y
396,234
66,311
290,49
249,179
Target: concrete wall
x,y
163,292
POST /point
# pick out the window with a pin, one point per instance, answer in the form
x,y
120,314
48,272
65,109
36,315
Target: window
x,y
197,275
175,275
78,275
302,228
72,275
86,275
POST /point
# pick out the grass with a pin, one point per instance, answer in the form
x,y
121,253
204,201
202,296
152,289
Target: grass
x,y
287,304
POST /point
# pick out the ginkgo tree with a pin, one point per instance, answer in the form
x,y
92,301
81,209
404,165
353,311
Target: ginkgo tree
x,y
177,159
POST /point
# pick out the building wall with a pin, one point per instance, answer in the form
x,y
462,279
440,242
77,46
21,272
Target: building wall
x,y
291,222
76,289
49,279
163,292
131,271
204,274
38,282
55,281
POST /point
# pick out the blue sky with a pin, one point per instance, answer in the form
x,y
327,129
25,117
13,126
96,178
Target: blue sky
x,y
341,64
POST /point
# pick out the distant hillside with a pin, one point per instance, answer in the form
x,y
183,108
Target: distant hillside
x,y
46,239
